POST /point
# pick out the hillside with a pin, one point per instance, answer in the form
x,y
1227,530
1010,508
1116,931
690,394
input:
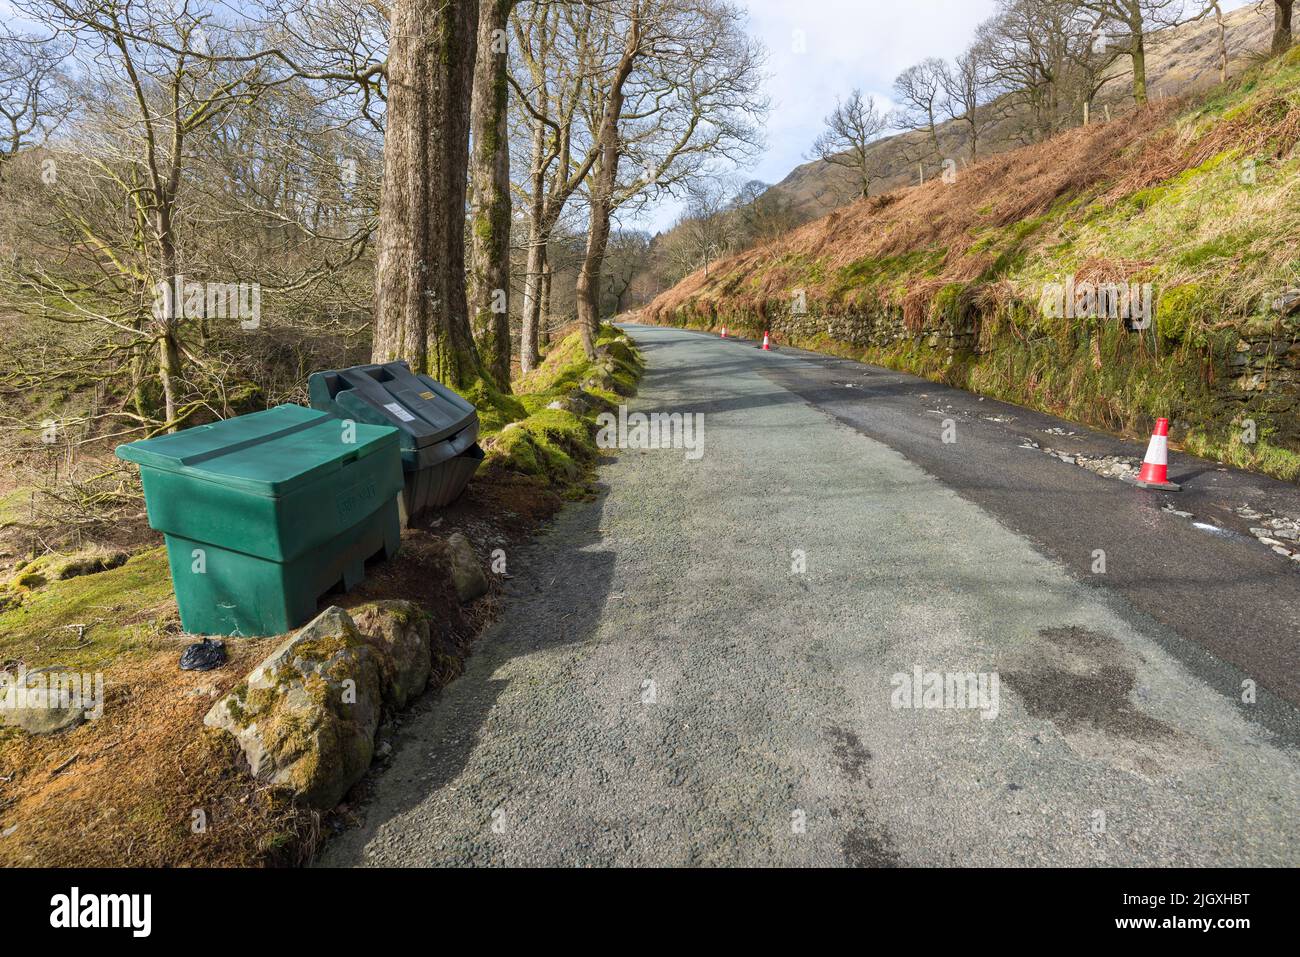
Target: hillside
x,y
948,281
1181,61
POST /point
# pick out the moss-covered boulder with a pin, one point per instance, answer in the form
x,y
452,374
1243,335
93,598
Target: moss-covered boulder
x,y
306,717
54,567
399,633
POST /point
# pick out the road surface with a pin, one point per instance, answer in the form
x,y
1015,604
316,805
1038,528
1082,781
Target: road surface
x,y
710,664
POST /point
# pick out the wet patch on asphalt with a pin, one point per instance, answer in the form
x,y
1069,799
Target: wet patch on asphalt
x,y
850,755
1098,697
865,848
1085,683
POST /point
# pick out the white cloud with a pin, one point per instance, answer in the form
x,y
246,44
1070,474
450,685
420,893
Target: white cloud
x,y
849,44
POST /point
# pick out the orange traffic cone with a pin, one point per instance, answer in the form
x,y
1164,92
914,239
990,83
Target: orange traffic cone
x,y
767,343
724,332
1155,468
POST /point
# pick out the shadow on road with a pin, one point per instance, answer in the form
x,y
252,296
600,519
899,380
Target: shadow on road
x,y
557,599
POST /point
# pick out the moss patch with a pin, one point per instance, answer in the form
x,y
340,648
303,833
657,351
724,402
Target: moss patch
x,y
558,445
88,622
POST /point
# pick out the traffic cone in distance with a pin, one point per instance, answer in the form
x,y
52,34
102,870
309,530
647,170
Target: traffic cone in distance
x,y
724,332
1155,468
767,343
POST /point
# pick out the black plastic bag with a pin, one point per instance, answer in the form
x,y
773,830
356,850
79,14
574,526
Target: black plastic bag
x,y
204,656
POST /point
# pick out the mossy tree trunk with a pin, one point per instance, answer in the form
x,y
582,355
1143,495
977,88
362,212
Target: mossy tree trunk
x,y
540,222
1139,68
421,309
489,293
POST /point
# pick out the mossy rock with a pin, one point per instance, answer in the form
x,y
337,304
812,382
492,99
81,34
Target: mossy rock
x,y
399,633
305,718
1183,313
551,443
495,408
54,699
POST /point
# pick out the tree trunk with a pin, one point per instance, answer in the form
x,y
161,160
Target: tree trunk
x,y
1282,26
1139,66
489,296
528,353
544,310
421,311
588,290
169,355
169,367
403,258
452,355
604,179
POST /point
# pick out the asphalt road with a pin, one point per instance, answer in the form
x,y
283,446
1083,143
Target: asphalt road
x,y
704,666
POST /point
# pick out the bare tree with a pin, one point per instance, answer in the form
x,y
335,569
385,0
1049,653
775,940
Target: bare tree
x,y
558,51
921,91
159,93
1035,49
708,229
852,128
765,213
1221,37
421,312
682,94
604,173
967,84
1132,21
32,101
626,256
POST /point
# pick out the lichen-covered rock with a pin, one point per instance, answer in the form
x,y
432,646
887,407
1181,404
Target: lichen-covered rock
x,y
399,632
306,717
466,570
34,702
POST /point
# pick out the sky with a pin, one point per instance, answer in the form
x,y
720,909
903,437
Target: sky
x,y
821,49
